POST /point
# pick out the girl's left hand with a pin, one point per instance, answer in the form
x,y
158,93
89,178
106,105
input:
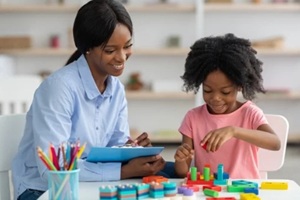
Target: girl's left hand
x,y
216,138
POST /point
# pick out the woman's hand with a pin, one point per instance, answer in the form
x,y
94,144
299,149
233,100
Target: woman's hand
x,y
143,166
216,138
141,140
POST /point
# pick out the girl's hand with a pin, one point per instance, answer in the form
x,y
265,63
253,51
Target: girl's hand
x,y
216,138
183,153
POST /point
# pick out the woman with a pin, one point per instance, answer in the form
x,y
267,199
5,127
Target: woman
x,y
84,100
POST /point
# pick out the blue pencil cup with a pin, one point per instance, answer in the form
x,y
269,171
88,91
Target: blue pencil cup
x,y
63,185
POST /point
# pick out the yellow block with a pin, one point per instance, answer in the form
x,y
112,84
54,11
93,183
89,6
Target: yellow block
x,y
274,185
249,196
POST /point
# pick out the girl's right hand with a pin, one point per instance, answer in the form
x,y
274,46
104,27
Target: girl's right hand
x,y
183,153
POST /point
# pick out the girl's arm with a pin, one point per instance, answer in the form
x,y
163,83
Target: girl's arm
x,y
263,137
184,156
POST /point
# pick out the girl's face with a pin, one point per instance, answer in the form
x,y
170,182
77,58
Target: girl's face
x,y
110,59
219,93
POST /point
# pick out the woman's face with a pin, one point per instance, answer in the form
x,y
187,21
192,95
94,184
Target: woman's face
x,y
110,59
220,93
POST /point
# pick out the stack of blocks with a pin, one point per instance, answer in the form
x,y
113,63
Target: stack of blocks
x,y
160,187
156,190
195,178
126,192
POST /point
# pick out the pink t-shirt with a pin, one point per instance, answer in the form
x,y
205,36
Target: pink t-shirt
x,y
238,157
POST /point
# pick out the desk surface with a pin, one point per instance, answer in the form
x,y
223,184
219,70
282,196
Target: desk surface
x,y
90,191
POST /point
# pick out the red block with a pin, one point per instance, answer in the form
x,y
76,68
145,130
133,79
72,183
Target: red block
x,y
213,187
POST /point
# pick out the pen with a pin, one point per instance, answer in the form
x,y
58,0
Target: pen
x,y
133,142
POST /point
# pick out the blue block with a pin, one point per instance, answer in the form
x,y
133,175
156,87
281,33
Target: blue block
x,y
251,190
225,175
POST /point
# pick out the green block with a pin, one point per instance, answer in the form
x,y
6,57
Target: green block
x,y
239,188
211,193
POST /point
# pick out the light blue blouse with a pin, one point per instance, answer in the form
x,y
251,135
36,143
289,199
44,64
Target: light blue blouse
x,y
68,106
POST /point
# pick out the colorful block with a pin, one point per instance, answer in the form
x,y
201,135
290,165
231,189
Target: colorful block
x,y
239,188
274,185
250,196
211,193
251,190
243,182
213,187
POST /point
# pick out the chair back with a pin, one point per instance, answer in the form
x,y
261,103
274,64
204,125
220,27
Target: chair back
x,y
273,160
17,93
11,131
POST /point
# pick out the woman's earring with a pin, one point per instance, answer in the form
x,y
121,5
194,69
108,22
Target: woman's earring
x,y
87,52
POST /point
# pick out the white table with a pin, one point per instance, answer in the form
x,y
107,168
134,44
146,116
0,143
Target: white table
x,y
90,190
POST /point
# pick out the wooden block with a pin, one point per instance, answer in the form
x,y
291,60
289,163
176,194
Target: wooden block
x,y
15,42
274,185
249,196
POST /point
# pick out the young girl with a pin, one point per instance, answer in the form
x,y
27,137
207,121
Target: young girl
x,y
224,130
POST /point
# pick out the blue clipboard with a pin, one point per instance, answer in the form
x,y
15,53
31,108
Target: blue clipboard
x,y
119,154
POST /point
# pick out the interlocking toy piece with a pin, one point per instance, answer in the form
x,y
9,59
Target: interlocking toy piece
x,y
213,187
211,193
220,176
157,179
156,190
126,192
225,175
239,188
243,182
251,190
188,194
170,189
206,179
108,192
204,146
274,185
193,173
249,196
142,190
195,188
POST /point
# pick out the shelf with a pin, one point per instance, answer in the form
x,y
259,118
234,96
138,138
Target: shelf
x,y
240,7
10,8
56,8
279,96
278,52
140,52
69,51
162,7
162,52
38,52
149,95
276,96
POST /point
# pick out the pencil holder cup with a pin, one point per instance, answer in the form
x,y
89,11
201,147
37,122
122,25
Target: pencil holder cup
x,y
63,185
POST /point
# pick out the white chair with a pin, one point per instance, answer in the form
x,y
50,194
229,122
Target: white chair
x,y
16,93
273,160
11,131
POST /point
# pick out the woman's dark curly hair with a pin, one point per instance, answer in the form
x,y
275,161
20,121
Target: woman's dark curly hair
x,y
232,55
